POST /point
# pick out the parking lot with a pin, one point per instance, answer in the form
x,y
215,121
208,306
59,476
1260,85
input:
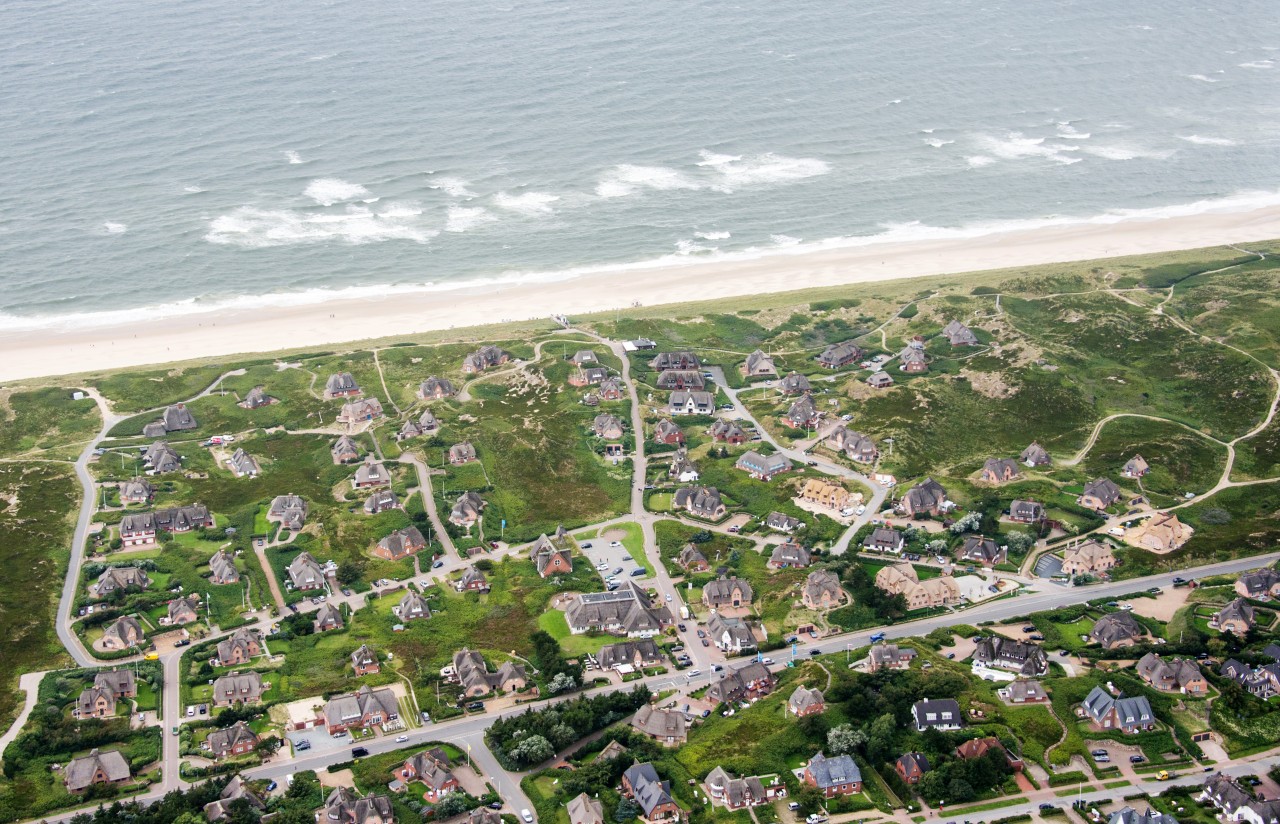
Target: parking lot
x,y
614,557
321,741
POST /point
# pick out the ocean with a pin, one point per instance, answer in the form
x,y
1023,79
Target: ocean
x,y
163,158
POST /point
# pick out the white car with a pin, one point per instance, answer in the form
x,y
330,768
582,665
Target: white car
x,y
615,544
766,661
602,565
860,510
527,816
400,739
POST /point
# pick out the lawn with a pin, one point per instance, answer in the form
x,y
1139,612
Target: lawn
x,y
1181,461
633,541
45,419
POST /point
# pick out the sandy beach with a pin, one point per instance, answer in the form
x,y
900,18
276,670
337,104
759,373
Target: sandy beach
x,y
60,351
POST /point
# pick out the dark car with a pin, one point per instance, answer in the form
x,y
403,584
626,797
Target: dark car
x,y
951,655
271,785
1046,807
1028,628
304,744
1137,759
814,653
359,752
681,627
475,705
496,805
437,564
586,545
182,642
639,571
705,642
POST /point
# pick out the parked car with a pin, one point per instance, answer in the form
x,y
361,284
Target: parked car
x,y
705,642
638,571
618,571
1137,759
271,786
681,627
475,706
527,816
1028,628
1046,807
766,661
702,634
182,642
586,545
304,744
437,564
496,805
426,717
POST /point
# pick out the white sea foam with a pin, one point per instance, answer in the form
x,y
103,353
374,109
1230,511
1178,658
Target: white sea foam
x,y
712,235
113,228
782,245
1068,132
452,186
1203,79
1258,64
1207,141
978,161
527,203
250,227
1126,153
466,218
293,157
938,143
627,179
689,247
330,190
192,190
761,169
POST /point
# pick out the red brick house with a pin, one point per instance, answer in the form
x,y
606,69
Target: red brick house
x,y
911,767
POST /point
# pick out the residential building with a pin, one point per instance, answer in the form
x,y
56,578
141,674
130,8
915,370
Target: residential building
x,y
925,498
691,403
327,617
136,491
980,549
400,544
855,445
700,501
243,465
1035,455
746,683
1021,657
236,739
1090,557
911,767
1116,629
794,384
222,568
583,809
933,593
637,654
1026,512
344,807
913,360
675,360
425,424
467,509
120,579
1023,691
682,469
473,674
1000,470
667,432
727,592
551,557
938,714
610,389
341,385
889,656
884,539
98,767
472,580
1099,494
363,409
760,365
1109,712
240,687
879,380
365,661
433,768
176,418
838,355
822,590
806,701
366,707
976,748
1160,533
137,528
486,357
740,793
897,579
762,467
124,633
1128,815
584,357
789,556
607,426
305,572
434,389
345,450
182,611
412,606
691,559
371,474
289,510
461,453
382,500
243,645
1259,584
625,611
1236,803
827,494
1135,467
122,683
802,414
959,334
730,432
779,522
588,376
235,790
160,458
1236,618
667,727
1174,675
95,702
730,635
641,784
833,776
680,379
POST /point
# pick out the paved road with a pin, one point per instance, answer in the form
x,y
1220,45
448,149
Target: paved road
x,y
429,502
29,683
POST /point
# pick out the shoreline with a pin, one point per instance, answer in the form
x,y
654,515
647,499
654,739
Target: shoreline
x,y
220,332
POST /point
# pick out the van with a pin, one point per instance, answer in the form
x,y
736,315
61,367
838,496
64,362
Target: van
x,y
793,806
639,571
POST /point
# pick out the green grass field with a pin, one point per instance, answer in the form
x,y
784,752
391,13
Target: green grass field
x,y
45,420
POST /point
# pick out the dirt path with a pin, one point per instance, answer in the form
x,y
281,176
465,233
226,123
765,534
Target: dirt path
x,y
382,378
272,583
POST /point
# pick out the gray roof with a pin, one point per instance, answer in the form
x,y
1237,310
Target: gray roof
x,y
758,361
289,510
467,508
403,542
305,571
124,628
433,386
644,650
1238,610
583,809
1001,467
328,616
981,549
959,334
344,807
345,448
1022,657
1130,712
347,709
80,773
244,638
781,522
730,633
753,461
222,741
136,489
1260,581
341,382
650,791
701,401
413,605
625,610
660,723
691,555
840,353
119,681
804,697
802,411
223,567
735,683
791,555
946,710
178,417
832,772
1035,454
1103,489
1129,815
720,591
242,463
1026,510
700,500
114,578
381,501
162,458
924,496
372,472
1115,627
795,383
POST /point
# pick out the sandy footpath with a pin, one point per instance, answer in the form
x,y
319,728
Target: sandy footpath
x,y
57,351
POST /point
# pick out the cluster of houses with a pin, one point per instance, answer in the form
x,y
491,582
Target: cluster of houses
x,y
902,579
109,687
141,528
